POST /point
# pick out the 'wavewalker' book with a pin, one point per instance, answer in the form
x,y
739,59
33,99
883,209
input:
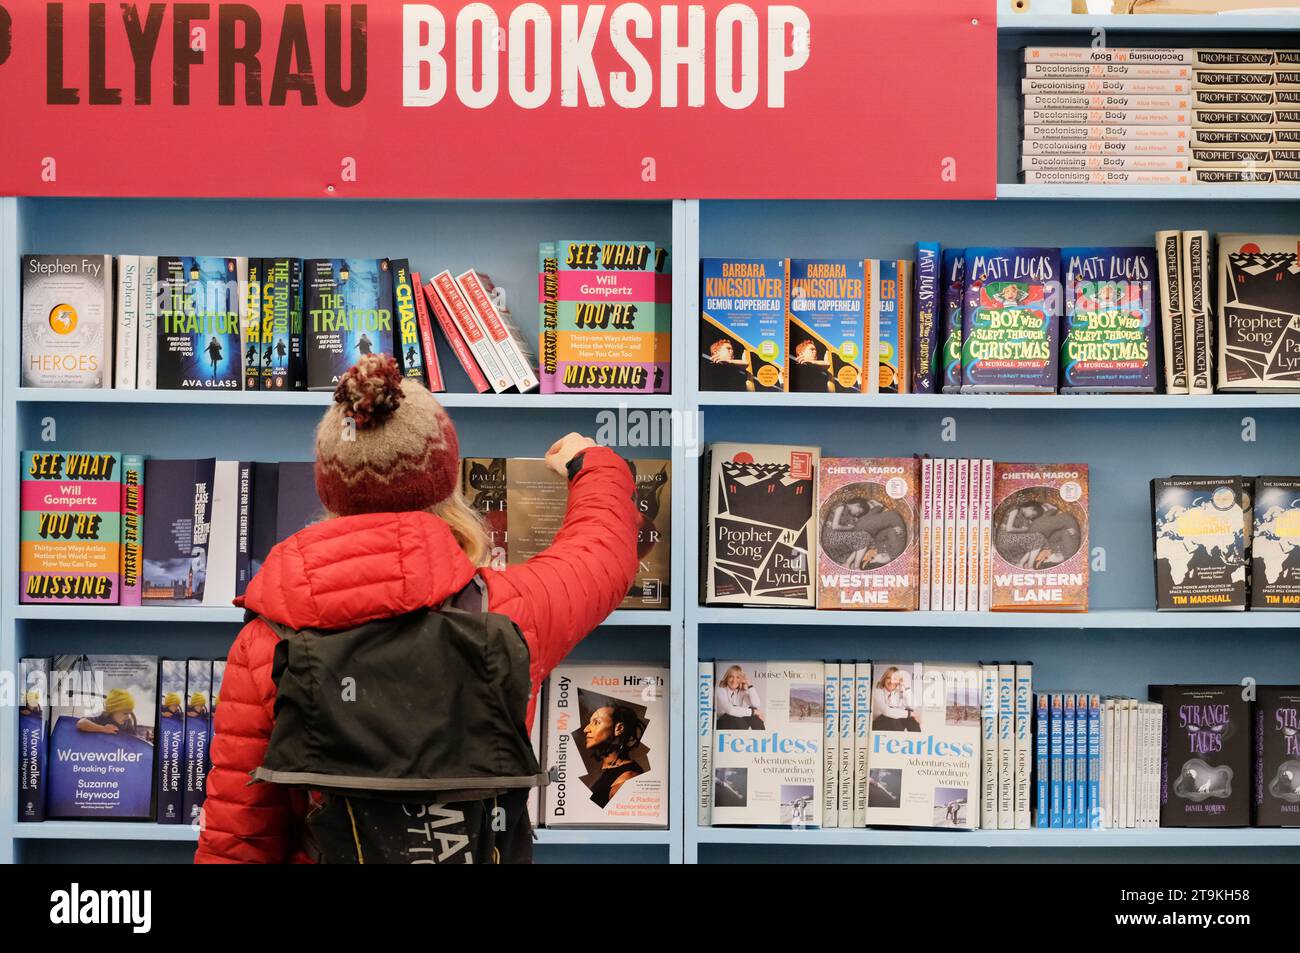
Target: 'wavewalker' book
x,y
759,531
102,737
1205,777
198,735
70,528
178,522
1012,308
924,755
1199,527
867,554
347,314
742,324
825,325
67,321
171,742
767,737
33,736
1039,554
1108,333
607,741
1277,756
1275,544
202,302
1259,313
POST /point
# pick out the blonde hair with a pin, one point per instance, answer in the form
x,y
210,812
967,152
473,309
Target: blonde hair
x,y
467,526
734,670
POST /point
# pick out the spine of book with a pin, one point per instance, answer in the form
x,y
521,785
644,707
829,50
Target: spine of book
x,y
1108,763
1023,765
1136,56
517,364
1121,148
1006,746
198,735
976,481
1123,103
831,746
427,342
297,329
1245,118
407,342
244,528
1068,725
927,516
1094,761
954,297
459,344
1241,157
1107,132
927,360
1099,163
1155,720
963,535
1058,177
169,742
1131,739
861,740
34,699
1196,314
471,328
1043,769
1259,138
1081,761
1169,264
986,535
277,307
905,344
1056,743
848,698
989,747
251,337
147,345
704,692
950,486
1103,117
128,322
132,527
548,268
1096,87
1124,71
937,522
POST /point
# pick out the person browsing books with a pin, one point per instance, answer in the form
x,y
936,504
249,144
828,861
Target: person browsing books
x,y
737,702
397,541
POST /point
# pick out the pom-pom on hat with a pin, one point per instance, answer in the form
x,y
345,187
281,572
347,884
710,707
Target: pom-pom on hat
x,y
386,445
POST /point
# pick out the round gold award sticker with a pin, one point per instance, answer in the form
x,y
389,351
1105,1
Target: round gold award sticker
x,y
767,375
847,377
886,376
63,319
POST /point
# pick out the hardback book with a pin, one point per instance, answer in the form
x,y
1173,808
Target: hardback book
x,y
1114,132
428,343
178,526
535,741
742,324
1259,313
458,341
767,743
889,289
1118,87
861,740
951,492
961,549
297,328
1107,148
347,314
201,315
536,500
975,503
488,304
704,733
825,325
1207,758
1042,761
1055,749
451,298
198,736
1069,765
1012,309
759,529
171,742
868,548
989,747
1108,332
132,528
986,535
925,534
848,675
1275,544
1169,264
954,303
484,486
266,487
296,504
831,746
1199,528
938,522
1196,312
407,335
1024,713
1039,553
147,333
251,339
67,321
1277,757
33,737
607,742
1127,71
223,536
1007,746
276,334
102,726
927,304
605,316
244,526
128,322
70,549
1094,816
652,587
924,762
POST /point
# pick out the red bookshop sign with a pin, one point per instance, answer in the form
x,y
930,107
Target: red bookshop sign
x,y
813,98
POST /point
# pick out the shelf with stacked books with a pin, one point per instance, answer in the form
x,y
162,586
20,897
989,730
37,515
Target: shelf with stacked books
x,y
1054,402
1147,23
320,400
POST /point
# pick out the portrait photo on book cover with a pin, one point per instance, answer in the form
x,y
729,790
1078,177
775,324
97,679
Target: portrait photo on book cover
x,y
865,527
609,743
1037,528
737,701
895,704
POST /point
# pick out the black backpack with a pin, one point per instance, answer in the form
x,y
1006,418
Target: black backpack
x,y
412,730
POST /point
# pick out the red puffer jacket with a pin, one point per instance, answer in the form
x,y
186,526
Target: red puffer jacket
x,y
344,572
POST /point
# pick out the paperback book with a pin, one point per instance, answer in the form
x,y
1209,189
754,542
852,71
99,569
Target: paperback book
x,y
1199,528
889,289
67,321
825,323
171,742
407,336
954,303
926,372
201,316
1108,341
1039,556
198,735
33,737
1277,757
348,313
1275,544
1010,320
274,337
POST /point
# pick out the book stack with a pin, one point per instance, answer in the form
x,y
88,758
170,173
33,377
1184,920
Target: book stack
x,y
1160,116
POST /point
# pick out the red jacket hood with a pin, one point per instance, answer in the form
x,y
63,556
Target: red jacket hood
x,y
343,572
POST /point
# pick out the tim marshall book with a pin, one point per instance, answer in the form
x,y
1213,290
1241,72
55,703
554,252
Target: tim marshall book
x,y
1199,527
67,321
867,554
767,743
607,746
1277,756
1205,777
202,303
924,754
33,736
1275,544
1010,320
825,325
742,324
178,506
102,723
759,531
171,742
70,548
1039,555
1108,341
347,314
1259,313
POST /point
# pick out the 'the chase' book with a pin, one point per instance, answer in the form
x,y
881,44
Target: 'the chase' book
x,y
201,305
1012,308
1108,334
348,313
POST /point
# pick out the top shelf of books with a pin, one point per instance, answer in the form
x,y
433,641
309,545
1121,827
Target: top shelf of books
x,y
316,399
1153,23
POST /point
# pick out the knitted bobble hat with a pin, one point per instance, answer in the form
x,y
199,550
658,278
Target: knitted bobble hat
x,y
386,445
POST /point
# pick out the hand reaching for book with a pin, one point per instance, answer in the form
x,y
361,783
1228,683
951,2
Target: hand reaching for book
x,y
565,449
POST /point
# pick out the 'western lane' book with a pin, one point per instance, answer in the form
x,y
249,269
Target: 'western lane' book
x,y
1108,333
767,738
742,324
825,322
759,532
178,522
347,313
1259,313
927,305
67,321
1206,777
1039,555
171,742
33,736
198,734
1275,544
103,709
202,304
1010,320
70,528
1277,756
954,301
607,739
1200,542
